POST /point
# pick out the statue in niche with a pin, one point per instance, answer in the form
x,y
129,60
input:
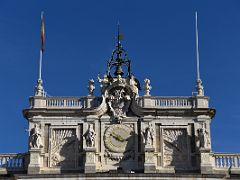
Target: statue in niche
x,y
119,102
90,136
35,137
148,135
204,138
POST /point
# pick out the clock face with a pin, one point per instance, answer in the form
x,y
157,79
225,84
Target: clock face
x,y
119,138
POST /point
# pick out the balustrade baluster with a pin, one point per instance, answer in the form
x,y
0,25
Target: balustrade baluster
x,y
22,162
234,161
237,161
216,161
229,161
225,161
221,161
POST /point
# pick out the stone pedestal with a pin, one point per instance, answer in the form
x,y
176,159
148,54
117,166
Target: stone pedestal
x,y
149,163
35,161
90,163
206,161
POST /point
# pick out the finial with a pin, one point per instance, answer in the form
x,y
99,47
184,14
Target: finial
x,y
39,91
119,36
119,58
199,86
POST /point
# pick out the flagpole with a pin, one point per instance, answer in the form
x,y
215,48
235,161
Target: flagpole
x,y
40,66
197,48
199,85
39,91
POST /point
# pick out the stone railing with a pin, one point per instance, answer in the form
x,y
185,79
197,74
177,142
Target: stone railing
x,y
143,101
226,160
13,162
65,102
167,102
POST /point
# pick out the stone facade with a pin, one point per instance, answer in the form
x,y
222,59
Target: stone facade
x,y
121,131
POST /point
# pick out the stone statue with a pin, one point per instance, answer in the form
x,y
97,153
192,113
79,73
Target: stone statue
x,y
90,136
35,137
103,82
204,139
147,87
134,85
148,135
91,87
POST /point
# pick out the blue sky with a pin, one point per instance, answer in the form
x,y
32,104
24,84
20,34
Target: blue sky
x,y
159,37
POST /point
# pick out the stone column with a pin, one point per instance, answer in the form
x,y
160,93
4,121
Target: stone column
x,y
34,166
206,161
90,163
149,162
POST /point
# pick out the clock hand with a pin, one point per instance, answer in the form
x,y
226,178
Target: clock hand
x,y
118,137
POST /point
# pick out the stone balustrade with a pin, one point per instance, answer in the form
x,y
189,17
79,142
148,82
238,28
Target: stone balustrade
x,y
13,161
65,102
93,102
167,102
174,102
224,160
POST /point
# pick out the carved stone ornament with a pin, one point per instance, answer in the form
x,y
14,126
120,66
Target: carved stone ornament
x,y
63,147
104,82
90,136
147,87
91,87
119,156
35,140
175,146
148,135
39,91
203,138
118,101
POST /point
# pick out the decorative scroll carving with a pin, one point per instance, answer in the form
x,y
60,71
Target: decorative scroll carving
x,y
35,137
129,154
90,136
63,147
119,102
175,147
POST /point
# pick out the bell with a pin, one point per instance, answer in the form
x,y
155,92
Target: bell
x,y
118,70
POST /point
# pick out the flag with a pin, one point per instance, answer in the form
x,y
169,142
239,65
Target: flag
x,y
42,32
